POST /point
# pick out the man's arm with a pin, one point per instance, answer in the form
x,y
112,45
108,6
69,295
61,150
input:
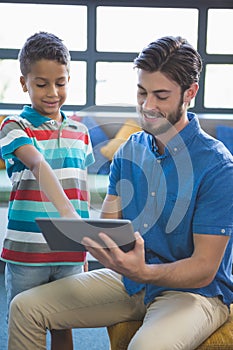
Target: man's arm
x,y
193,272
48,181
111,208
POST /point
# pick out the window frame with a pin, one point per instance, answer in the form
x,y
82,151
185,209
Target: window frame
x,y
91,55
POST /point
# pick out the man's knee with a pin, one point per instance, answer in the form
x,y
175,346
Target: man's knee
x,y
20,307
17,302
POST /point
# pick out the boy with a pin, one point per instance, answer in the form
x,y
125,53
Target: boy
x,y
33,143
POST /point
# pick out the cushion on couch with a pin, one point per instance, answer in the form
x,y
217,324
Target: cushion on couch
x,y
128,128
98,139
2,162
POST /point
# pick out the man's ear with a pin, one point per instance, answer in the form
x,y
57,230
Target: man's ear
x,y
23,83
191,92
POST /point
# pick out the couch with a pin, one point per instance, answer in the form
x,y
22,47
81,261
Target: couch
x,y
108,132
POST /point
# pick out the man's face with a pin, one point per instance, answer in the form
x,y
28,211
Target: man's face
x,y
160,103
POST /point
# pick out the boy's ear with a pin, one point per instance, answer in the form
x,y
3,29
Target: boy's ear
x,y
191,92
23,83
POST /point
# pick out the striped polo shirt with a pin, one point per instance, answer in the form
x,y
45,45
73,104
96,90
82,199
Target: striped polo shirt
x,y
67,148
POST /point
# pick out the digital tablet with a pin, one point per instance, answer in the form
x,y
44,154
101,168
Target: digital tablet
x,y
65,234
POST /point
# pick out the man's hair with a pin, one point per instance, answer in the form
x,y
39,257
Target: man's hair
x,y
42,45
174,57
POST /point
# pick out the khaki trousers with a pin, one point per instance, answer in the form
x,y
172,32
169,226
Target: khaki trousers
x,y
175,320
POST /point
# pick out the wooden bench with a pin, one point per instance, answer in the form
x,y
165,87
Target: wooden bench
x,y
120,335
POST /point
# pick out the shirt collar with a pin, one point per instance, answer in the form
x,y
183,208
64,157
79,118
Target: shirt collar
x,y
180,141
35,118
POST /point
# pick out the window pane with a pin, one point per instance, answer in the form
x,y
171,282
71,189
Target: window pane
x,y
126,29
219,30
11,91
116,83
77,84
218,86
10,88
28,19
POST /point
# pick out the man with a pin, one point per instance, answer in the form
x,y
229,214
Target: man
x,y
175,183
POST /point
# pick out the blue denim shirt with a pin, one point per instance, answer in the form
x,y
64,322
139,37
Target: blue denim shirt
x,y
169,197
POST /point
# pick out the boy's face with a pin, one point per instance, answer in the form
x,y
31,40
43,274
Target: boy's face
x,y
47,85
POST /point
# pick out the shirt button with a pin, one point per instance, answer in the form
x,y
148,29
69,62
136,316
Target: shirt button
x,y
52,122
175,149
158,160
145,225
153,194
223,230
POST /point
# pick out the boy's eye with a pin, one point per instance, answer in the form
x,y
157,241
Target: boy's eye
x,y
43,85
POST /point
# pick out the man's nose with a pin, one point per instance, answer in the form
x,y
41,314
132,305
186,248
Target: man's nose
x,y
150,103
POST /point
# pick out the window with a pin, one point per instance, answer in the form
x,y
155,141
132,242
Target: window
x,y
218,85
30,18
220,27
58,19
127,29
116,82
104,37
218,76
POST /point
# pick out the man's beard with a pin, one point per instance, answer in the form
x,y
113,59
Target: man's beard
x,y
167,121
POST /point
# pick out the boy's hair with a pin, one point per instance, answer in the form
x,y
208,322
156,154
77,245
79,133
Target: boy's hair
x,y
174,57
42,45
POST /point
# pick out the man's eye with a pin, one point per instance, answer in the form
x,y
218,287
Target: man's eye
x,y
141,93
162,98
61,84
40,85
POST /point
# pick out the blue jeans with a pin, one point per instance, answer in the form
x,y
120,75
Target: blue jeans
x,y
19,278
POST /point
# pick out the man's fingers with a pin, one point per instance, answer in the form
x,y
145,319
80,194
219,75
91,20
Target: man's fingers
x,y
108,242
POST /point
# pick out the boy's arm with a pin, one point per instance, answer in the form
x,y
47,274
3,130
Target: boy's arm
x,y
46,178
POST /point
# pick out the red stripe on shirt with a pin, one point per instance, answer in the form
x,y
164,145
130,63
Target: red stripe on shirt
x,y
75,135
28,195
43,257
39,196
5,122
75,193
41,135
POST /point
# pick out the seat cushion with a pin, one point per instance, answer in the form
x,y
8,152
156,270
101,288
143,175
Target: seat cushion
x,y
121,333
222,338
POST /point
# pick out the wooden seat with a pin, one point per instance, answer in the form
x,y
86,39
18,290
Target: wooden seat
x,y
120,335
